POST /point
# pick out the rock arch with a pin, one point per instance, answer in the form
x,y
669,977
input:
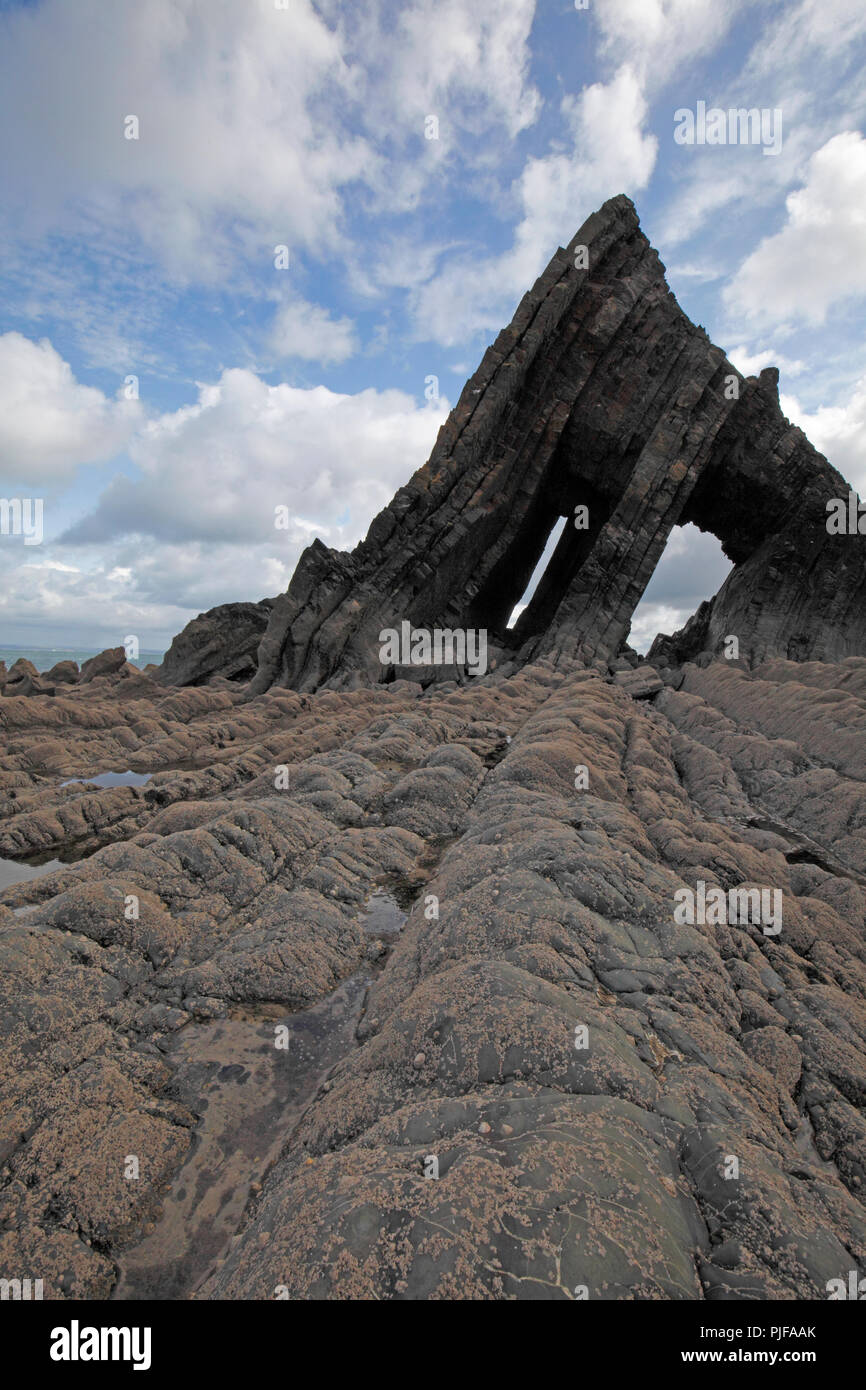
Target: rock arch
x,y
600,392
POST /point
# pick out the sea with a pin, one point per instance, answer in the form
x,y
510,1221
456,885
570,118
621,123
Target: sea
x,y
44,658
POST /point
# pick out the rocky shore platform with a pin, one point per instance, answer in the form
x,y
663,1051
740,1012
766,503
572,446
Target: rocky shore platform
x,y
531,909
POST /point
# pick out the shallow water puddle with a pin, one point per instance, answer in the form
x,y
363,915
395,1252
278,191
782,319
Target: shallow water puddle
x,y
19,871
14,872
383,916
250,1096
111,779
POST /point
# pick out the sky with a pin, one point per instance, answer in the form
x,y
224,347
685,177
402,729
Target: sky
x,y
251,250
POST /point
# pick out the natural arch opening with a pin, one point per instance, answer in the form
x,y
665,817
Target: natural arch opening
x,y
536,576
535,569
692,569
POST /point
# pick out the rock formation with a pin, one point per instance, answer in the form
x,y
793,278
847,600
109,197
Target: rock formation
x,y
223,641
599,394
396,976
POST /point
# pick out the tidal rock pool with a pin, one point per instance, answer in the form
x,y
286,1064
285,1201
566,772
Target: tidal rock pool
x,y
111,779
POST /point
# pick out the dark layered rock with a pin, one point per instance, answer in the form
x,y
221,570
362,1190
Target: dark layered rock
x,y
600,394
689,642
221,642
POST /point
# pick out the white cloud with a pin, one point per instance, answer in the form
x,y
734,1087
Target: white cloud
x,y
307,331
658,36
709,189
692,568
197,528
49,422
819,256
445,53
806,61
839,432
807,41
253,121
229,98
466,66
216,470
753,363
652,618
696,274
610,153
100,602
